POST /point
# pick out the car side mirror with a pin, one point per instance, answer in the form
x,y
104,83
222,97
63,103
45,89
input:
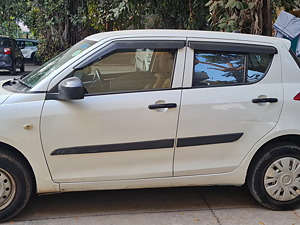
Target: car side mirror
x,y
71,89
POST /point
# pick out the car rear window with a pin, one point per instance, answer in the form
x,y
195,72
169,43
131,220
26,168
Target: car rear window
x,y
4,42
216,68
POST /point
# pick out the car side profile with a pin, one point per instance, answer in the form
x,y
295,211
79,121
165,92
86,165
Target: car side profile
x,y
29,48
11,57
155,108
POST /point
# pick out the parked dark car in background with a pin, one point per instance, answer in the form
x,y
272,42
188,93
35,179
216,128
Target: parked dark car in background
x,y
11,56
29,48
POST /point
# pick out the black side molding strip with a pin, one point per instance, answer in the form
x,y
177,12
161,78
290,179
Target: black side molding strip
x,y
207,140
146,145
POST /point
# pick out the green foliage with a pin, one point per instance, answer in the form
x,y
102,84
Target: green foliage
x,y
61,23
228,15
248,16
58,24
10,11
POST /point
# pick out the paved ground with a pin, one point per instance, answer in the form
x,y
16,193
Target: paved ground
x,y
164,206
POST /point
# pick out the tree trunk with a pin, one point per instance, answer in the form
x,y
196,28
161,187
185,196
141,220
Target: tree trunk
x,y
261,17
267,18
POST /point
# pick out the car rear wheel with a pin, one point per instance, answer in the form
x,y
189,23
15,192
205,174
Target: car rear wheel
x,y
12,70
274,179
15,185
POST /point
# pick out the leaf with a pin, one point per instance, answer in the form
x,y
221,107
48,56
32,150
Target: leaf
x,y
222,25
221,3
251,5
213,6
234,17
209,3
231,23
228,4
245,5
233,4
223,20
122,4
239,5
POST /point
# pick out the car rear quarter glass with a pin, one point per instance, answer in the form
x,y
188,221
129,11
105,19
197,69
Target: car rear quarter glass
x,y
258,65
295,57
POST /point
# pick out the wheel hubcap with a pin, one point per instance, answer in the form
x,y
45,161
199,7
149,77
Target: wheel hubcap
x,y
7,188
282,179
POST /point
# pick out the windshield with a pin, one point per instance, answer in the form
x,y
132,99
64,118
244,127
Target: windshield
x,y
46,69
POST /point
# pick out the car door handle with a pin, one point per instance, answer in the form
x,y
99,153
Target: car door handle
x,y
161,106
264,100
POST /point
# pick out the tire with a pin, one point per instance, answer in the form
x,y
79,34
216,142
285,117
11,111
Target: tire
x,y
32,58
274,177
16,185
12,70
35,59
22,68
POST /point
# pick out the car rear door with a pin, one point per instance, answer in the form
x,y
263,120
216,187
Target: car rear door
x,y
233,96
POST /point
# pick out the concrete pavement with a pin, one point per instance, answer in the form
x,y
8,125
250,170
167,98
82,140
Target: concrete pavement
x,y
4,74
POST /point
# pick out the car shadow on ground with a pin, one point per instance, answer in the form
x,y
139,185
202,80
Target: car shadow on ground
x,y
112,202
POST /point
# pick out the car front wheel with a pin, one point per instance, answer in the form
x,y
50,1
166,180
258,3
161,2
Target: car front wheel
x,y
274,178
15,185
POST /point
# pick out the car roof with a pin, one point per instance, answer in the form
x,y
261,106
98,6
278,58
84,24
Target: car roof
x,y
24,39
187,34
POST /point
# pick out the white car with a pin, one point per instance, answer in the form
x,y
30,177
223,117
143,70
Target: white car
x,y
29,48
209,109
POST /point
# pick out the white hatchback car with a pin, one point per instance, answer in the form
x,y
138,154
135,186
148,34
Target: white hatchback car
x,y
209,108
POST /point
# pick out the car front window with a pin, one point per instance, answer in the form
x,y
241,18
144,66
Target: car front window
x,y
46,69
129,70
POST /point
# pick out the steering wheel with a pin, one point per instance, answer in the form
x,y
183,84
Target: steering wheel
x,y
97,77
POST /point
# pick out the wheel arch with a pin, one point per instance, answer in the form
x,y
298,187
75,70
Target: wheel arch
x,y
291,138
32,55
24,161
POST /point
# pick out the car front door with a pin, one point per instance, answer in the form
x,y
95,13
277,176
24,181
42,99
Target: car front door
x,y
233,97
125,126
